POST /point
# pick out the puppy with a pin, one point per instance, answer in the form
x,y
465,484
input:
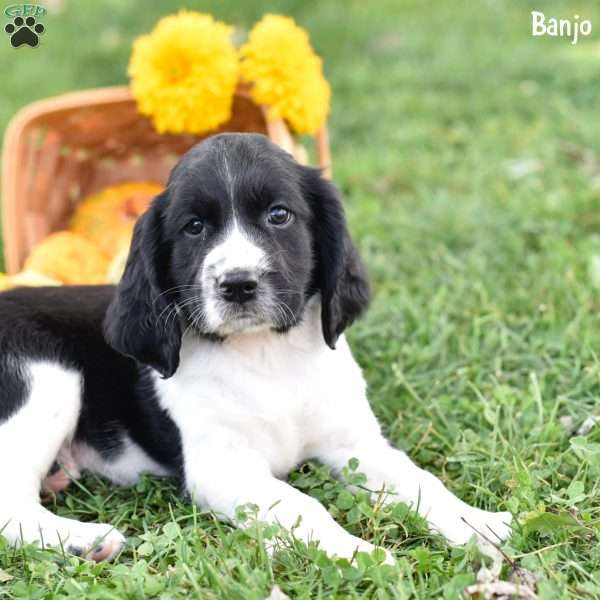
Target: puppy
x,y
219,358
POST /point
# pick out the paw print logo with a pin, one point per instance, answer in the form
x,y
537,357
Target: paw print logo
x,y
24,31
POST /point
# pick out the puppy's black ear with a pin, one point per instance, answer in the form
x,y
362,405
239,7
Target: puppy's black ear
x,y
136,323
339,272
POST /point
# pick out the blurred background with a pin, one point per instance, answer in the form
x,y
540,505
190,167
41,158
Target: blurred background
x,y
468,155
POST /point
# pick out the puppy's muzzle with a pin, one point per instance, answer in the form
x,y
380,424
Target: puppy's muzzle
x,y
238,287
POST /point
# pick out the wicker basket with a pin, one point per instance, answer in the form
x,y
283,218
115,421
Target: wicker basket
x,y
59,150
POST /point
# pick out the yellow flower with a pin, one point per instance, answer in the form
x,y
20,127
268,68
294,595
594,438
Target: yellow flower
x,y
286,74
184,73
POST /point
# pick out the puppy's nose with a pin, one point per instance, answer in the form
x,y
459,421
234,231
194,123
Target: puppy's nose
x,y
238,286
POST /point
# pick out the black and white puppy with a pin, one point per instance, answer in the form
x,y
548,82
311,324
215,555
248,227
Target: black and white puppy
x,y
220,358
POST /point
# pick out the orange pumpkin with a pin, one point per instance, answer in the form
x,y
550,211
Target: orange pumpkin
x,y
107,218
69,258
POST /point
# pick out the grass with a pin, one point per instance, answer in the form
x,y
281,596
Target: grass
x,y
468,155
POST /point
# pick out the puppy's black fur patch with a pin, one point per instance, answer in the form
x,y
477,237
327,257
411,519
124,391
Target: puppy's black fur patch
x,y
137,323
339,272
64,325
14,387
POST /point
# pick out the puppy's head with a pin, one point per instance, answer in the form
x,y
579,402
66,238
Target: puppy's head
x,y
239,241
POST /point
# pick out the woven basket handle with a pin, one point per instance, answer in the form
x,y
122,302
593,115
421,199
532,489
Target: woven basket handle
x,y
323,151
279,132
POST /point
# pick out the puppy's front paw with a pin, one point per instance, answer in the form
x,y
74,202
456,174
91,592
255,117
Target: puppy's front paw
x,y
486,526
102,544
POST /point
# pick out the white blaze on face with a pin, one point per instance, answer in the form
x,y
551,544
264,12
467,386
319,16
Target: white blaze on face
x,y
235,253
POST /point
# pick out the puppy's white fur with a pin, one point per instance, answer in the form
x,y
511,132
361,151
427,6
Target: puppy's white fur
x,y
253,407
124,470
32,439
235,253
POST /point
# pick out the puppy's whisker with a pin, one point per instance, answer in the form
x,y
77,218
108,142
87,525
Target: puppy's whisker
x,y
176,289
167,309
188,301
173,309
289,291
290,313
180,305
195,318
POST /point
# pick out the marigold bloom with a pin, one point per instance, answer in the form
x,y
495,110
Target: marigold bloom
x,y
286,74
184,73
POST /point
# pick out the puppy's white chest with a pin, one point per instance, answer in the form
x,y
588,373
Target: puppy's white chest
x,y
259,393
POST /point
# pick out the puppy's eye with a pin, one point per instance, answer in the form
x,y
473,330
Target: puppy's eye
x,y
279,215
194,227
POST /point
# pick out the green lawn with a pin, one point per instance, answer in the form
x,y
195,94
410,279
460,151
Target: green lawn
x,y
468,155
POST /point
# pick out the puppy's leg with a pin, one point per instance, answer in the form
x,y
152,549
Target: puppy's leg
x,y
29,443
222,477
390,469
